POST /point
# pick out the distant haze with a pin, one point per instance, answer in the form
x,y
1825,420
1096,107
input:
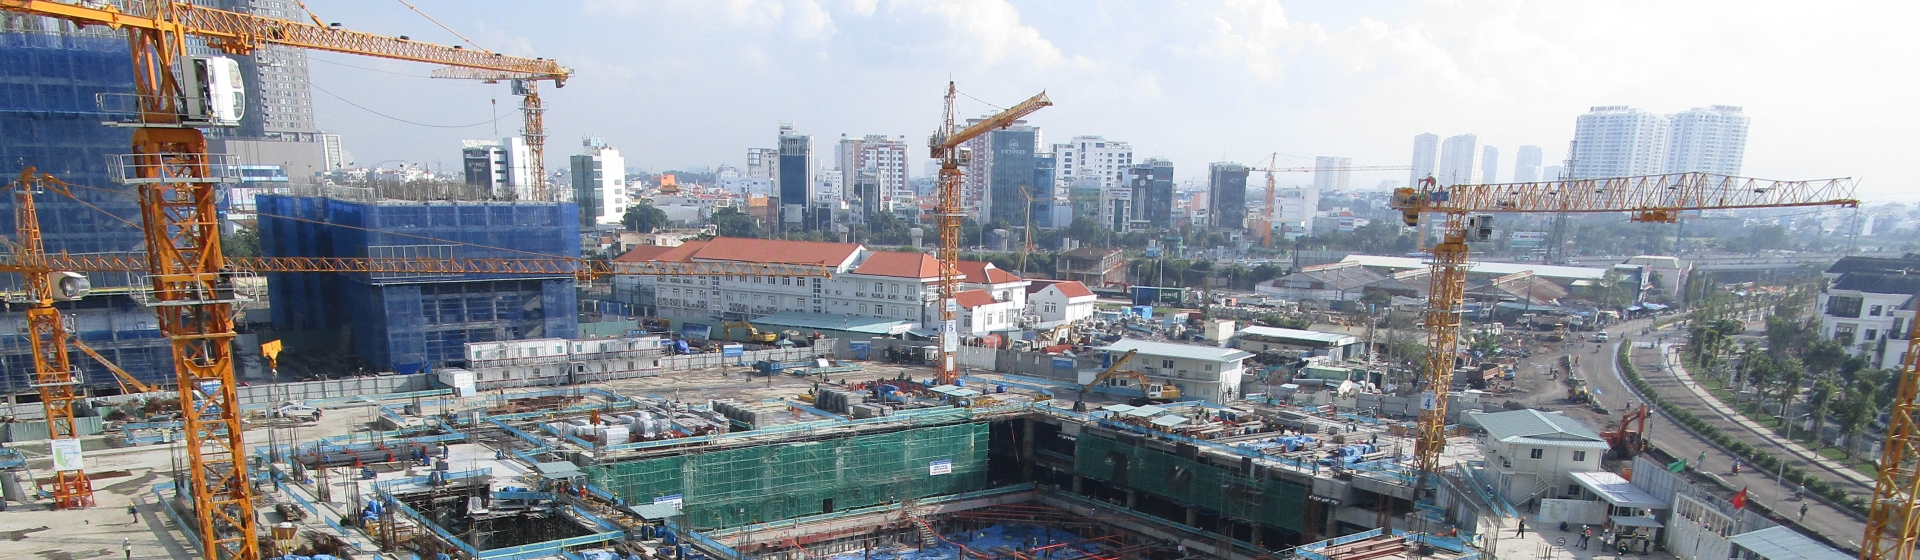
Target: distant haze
x,y
682,84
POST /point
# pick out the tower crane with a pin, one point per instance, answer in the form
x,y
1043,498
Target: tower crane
x,y
1273,166
47,336
1464,214
1893,518
945,148
175,95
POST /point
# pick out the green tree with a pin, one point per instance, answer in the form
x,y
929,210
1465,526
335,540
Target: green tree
x,y
244,242
1821,399
1824,356
1787,385
1856,411
644,218
731,222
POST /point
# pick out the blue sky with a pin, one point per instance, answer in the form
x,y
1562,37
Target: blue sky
x,y
688,83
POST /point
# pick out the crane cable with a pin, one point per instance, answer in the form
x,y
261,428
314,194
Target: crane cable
x,y
443,26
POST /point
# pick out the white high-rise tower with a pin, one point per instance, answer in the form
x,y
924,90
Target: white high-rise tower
x,y
1618,141
1459,160
1707,139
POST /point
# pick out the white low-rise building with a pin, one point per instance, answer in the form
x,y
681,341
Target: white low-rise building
x,y
1868,306
1532,454
1208,373
557,361
1056,302
1338,346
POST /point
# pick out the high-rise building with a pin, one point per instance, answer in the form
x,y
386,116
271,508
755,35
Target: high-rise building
x,y
1331,173
1046,167
1459,160
886,157
1008,163
279,100
1093,157
599,183
1426,157
761,163
500,167
335,152
795,174
1707,139
1618,141
1526,164
1490,165
1152,184
54,71
1227,195
407,322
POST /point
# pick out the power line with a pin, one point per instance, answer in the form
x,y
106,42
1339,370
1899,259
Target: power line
x,y
364,108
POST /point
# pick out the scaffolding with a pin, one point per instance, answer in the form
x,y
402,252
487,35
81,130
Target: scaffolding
x,y
776,482
1273,502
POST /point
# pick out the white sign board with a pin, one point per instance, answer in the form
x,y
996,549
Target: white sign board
x,y
940,467
1429,401
66,455
673,500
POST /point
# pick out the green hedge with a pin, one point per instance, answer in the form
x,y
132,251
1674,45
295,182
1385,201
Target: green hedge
x,y
1754,456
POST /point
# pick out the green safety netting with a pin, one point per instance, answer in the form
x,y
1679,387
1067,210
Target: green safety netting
x,y
773,482
1274,502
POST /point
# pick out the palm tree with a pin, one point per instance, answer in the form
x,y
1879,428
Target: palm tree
x,y
1791,374
1821,398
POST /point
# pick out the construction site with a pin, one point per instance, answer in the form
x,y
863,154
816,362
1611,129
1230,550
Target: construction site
x,y
450,403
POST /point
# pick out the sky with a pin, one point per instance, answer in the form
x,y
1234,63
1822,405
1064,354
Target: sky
x,y
681,84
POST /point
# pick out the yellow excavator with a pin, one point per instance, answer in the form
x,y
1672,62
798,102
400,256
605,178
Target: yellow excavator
x,y
1152,390
753,333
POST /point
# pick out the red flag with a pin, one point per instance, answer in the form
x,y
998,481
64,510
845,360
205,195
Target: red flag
x,y
1740,500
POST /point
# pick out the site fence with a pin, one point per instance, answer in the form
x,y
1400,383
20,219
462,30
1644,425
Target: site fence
x,y
1266,500
758,484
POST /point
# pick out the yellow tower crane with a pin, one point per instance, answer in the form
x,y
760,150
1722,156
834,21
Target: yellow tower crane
x,y
946,149
1465,215
1893,520
1265,222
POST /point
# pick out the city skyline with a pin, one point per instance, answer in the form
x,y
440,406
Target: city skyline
x,y
1303,80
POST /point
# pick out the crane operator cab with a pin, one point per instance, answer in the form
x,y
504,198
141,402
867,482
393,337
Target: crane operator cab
x,y
215,94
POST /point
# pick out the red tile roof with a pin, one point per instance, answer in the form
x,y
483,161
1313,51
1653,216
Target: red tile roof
x,y
976,272
739,249
900,265
1069,288
643,253
670,254
973,298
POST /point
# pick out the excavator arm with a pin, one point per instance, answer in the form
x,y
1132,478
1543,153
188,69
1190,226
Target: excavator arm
x,y
128,384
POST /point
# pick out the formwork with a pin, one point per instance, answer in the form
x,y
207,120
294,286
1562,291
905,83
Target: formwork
x,y
1266,500
412,322
775,482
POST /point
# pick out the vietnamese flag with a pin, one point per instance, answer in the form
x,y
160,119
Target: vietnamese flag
x,y
1740,500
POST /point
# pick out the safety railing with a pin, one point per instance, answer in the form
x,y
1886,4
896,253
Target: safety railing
x,y
138,169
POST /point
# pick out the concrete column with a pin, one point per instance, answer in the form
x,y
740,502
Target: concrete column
x,y
1076,484
1026,449
1255,536
1193,516
1130,498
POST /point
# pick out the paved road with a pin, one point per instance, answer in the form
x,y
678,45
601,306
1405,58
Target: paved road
x,y
1837,525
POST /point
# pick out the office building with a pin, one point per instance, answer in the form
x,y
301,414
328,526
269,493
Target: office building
x,y
1426,157
761,163
1618,141
886,157
1295,206
599,183
407,322
1227,195
1151,183
1489,165
499,167
1459,160
1046,166
1093,157
1332,174
1526,164
1707,139
795,176
56,128
1002,169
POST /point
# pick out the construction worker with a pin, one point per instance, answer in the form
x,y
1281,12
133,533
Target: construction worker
x,y
1803,512
126,545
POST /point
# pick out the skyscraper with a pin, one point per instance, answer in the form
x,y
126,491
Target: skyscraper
x,y
500,166
1459,160
1526,164
886,157
1152,184
1330,173
1707,139
1010,173
599,183
1093,157
1490,165
762,162
1426,156
1046,168
1227,195
1618,141
795,174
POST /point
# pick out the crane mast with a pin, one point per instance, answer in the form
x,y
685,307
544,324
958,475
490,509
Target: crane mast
x,y
945,148
1893,520
1465,216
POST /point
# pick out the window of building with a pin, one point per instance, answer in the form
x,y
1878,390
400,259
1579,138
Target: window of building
x,y
1536,453
1844,306
1873,311
1166,363
1579,456
1206,367
1872,335
863,309
1573,489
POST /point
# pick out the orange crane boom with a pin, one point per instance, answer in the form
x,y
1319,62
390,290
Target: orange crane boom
x,y
945,148
177,179
1465,213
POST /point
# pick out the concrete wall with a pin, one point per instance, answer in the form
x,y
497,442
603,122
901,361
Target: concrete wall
x,y
1574,512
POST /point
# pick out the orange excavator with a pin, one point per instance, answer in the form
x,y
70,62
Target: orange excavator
x,y
1630,437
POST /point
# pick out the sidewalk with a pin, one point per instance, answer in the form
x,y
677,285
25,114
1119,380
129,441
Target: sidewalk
x,y
1669,356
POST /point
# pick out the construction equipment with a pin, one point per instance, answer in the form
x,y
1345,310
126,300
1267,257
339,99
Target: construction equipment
x,y
945,148
1148,388
1273,166
46,332
1630,437
1028,248
128,384
1893,520
1465,216
753,333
